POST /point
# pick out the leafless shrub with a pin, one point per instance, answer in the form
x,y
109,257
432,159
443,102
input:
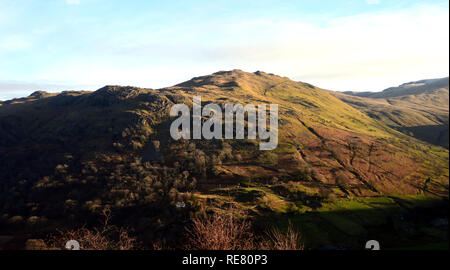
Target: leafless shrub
x,y
220,232
108,237
35,244
283,240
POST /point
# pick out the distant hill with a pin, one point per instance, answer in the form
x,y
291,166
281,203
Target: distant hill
x,y
406,89
66,156
419,109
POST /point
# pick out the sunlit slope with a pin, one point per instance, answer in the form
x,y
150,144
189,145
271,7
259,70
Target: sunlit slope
x,y
324,142
322,135
299,102
419,109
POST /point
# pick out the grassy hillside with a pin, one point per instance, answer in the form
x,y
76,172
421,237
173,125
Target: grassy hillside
x,y
409,89
418,109
70,155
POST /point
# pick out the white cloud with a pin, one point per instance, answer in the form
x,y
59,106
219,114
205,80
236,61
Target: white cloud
x,y
373,2
73,2
14,43
366,52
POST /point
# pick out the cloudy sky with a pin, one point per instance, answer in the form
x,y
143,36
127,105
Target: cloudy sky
x,y
360,45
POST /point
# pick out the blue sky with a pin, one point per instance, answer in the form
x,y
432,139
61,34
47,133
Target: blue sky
x,y
356,45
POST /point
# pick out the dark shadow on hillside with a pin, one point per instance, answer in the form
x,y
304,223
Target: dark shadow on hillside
x,y
434,134
401,226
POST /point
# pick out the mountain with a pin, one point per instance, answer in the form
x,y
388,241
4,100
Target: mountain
x,y
419,109
67,156
407,89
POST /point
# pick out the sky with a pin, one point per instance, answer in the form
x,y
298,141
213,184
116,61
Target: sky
x,y
345,45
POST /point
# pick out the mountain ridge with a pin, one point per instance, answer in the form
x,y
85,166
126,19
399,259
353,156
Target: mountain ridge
x,y
409,88
69,156
307,111
419,109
